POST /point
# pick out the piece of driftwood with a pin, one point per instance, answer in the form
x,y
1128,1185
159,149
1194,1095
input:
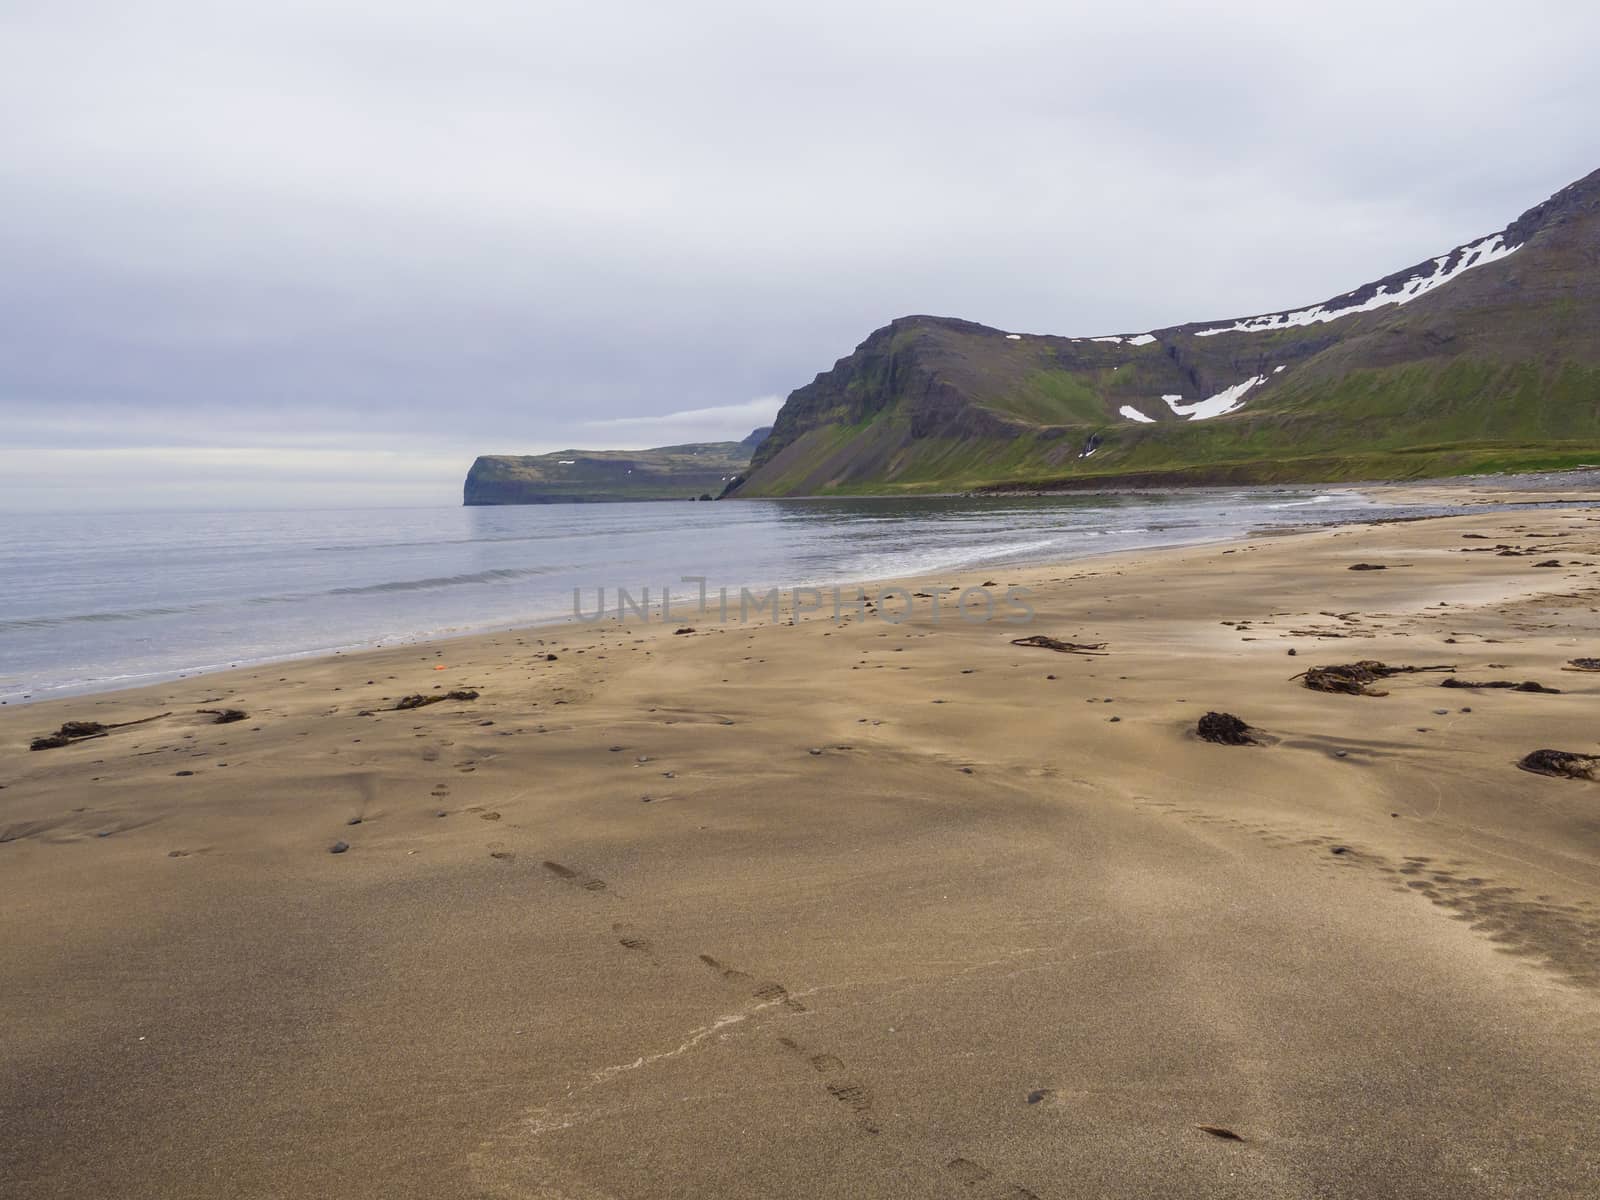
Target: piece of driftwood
x,y
1050,643
77,731
1353,679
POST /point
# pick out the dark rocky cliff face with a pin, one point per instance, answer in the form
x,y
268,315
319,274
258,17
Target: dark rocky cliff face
x,y
908,365
687,472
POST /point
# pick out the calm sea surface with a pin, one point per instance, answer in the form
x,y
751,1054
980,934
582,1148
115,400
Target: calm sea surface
x,y
97,602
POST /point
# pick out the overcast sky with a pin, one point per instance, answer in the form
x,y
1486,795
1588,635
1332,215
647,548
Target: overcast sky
x,y
323,252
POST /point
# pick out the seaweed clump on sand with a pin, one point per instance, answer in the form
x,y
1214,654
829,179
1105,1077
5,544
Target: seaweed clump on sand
x,y
225,716
420,701
1354,679
1044,642
1582,664
1562,764
1225,729
78,731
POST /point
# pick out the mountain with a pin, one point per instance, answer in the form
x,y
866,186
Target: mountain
x,y
698,470
1484,358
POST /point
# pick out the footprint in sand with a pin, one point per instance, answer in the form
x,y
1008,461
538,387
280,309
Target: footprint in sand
x,y
853,1095
588,883
731,974
632,939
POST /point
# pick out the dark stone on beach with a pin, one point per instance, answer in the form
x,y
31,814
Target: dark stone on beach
x,y
1549,562
549,658
1224,729
1368,567
353,821
1339,850
180,774
685,629
1292,652
338,847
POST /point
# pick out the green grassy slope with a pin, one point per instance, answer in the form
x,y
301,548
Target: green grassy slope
x,y
1497,368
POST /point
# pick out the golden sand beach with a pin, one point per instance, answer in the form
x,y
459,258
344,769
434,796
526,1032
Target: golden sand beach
x,y
853,909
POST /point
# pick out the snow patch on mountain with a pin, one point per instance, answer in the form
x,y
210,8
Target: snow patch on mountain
x,y
1133,414
1131,339
1434,275
1225,401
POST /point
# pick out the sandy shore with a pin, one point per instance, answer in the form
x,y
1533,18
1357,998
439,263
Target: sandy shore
x,y
867,910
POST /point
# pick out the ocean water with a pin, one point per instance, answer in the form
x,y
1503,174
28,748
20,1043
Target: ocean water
x,y
90,603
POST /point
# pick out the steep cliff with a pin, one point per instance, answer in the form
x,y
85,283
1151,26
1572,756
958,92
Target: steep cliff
x,y
689,472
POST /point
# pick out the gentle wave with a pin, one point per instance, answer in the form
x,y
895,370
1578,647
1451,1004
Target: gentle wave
x,y
131,614
1305,503
495,575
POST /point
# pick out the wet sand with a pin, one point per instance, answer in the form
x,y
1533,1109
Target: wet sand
x,y
820,911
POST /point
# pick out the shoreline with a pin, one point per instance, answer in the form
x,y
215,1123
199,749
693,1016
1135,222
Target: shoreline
x,y
862,890
1465,492
398,641
203,671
